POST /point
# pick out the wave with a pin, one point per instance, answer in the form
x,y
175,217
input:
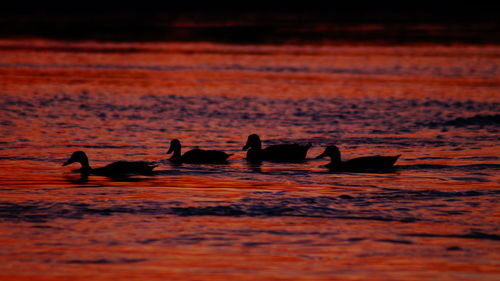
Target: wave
x,y
392,70
380,206
473,234
449,167
480,120
104,261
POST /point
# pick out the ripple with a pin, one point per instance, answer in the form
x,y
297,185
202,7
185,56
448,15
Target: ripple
x,y
386,206
473,234
104,261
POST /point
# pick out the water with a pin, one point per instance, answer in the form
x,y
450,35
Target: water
x,y
434,217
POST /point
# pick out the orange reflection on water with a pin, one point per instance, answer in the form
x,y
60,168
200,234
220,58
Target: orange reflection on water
x,y
431,218
257,70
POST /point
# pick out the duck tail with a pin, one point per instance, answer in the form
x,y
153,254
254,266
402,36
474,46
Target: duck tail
x,y
395,158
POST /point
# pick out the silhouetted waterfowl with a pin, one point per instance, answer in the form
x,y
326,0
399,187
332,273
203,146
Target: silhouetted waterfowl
x,y
196,155
361,163
279,152
113,169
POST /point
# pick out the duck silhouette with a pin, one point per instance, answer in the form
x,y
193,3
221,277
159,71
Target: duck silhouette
x,y
356,164
113,169
196,156
279,152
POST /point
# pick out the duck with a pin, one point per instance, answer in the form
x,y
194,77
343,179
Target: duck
x,y
196,156
376,162
279,152
113,169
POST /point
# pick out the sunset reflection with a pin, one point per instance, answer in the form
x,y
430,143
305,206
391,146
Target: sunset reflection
x,y
431,96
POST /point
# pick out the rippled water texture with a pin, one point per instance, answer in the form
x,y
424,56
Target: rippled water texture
x,y
436,216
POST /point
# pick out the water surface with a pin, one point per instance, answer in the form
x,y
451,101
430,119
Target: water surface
x,y
434,217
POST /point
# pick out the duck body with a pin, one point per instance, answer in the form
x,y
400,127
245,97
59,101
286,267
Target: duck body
x,y
280,152
357,164
113,169
196,156
125,167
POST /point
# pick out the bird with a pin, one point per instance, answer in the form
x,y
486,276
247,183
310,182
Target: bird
x,y
196,156
279,152
356,164
113,169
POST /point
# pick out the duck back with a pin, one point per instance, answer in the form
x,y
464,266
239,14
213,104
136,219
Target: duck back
x,y
368,163
125,167
204,156
281,152
286,152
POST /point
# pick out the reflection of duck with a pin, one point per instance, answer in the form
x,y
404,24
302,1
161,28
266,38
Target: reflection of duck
x,y
255,166
195,155
280,152
360,163
113,169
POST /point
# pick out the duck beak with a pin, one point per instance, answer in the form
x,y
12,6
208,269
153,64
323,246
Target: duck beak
x,y
247,146
322,155
68,162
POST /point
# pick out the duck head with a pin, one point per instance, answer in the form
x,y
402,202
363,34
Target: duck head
x,y
331,151
175,148
77,156
253,141
80,157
